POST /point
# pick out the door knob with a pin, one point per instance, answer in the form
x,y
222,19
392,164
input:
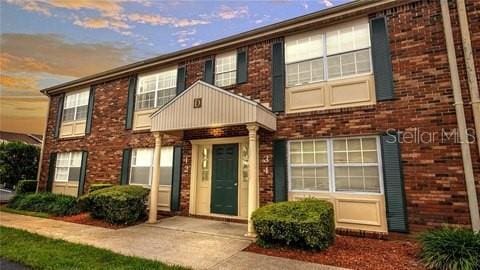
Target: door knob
x,y
235,184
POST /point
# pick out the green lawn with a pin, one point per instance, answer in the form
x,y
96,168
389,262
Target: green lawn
x,y
39,252
4,208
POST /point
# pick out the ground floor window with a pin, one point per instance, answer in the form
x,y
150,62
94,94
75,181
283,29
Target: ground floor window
x,y
141,170
335,165
67,167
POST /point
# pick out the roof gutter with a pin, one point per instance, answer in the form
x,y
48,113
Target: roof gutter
x,y
324,16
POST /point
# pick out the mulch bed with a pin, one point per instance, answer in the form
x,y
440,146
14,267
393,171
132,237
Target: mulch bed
x,y
355,253
86,219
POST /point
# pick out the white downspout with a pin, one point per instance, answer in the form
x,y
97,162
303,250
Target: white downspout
x,y
40,159
460,113
470,67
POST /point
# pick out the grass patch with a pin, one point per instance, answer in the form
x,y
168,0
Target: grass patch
x,y
40,252
5,208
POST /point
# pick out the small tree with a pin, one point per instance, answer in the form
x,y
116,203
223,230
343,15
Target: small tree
x,y
18,161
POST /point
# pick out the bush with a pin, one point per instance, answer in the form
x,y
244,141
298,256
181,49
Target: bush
x,y
305,224
118,204
18,161
96,187
26,186
451,248
54,204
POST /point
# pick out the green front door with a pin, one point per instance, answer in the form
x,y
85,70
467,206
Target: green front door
x,y
224,179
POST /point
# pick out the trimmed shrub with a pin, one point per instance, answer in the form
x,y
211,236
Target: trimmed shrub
x,y
305,224
451,248
96,187
54,204
26,186
118,204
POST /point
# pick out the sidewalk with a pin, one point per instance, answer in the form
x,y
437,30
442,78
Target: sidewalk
x,y
192,249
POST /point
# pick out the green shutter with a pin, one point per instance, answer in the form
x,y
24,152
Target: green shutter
x,y
181,79
208,75
83,174
381,60
280,170
132,87
51,171
278,77
176,178
125,170
91,100
58,123
393,183
242,65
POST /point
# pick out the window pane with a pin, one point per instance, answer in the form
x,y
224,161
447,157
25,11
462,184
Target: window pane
x,y
61,174
70,101
296,158
82,99
145,101
76,159
142,157
68,114
148,84
354,144
81,113
140,175
297,183
362,36
370,157
74,174
167,79
348,64
292,74
369,143
225,79
317,70
362,61
166,164
165,95
334,70
340,157
166,175
304,47
304,72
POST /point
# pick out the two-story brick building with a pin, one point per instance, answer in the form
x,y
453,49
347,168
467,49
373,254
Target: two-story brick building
x,y
328,105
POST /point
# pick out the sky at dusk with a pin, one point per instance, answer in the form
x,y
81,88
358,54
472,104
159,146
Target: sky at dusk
x,y
46,42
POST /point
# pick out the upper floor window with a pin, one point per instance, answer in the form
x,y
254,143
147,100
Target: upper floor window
x,y
226,69
330,54
336,165
155,90
76,106
141,171
67,167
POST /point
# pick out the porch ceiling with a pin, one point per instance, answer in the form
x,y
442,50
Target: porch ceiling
x,y
203,105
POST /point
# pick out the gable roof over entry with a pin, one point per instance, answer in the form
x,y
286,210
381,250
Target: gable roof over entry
x,y
203,105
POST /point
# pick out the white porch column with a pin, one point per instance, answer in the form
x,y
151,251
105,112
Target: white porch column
x,y
252,175
152,215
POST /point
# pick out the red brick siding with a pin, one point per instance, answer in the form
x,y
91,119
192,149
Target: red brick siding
x,y
434,179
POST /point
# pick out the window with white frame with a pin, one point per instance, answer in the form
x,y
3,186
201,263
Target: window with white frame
x,y
75,106
67,167
141,171
226,69
331,54
155,90
304,58
335,165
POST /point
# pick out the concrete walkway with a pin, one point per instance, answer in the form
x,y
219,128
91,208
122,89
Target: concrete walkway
x,y
203,244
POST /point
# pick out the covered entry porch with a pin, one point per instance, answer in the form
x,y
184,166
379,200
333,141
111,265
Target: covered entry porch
x,y
223,170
